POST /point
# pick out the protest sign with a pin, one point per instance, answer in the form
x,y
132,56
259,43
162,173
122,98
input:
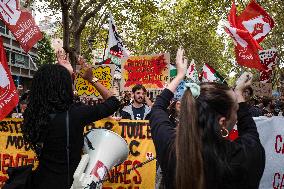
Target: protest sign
x,y
105,75
15,152
268,58
141,148
272,139
152,71
20,23
271,136
262,89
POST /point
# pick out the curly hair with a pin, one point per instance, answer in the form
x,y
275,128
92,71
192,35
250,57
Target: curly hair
x,y
51,92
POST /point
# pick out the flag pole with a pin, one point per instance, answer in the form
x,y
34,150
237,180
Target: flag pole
x,y
106,41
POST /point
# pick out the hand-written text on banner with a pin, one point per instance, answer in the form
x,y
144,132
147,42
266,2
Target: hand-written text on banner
x,y
152,71
16,152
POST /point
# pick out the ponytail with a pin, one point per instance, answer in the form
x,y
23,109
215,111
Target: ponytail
x,y
189,168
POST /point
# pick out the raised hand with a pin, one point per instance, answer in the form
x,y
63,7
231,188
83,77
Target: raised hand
x,y
88,71
82,61
181,63
88,74
244,81
63,60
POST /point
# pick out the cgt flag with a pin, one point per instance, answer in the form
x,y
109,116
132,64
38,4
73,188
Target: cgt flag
x,y
256,21
246,47
20,23
8,94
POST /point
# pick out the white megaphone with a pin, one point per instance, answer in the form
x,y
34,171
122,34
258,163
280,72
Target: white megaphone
x,y
103,149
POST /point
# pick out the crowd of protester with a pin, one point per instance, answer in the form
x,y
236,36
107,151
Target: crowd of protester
x,y
259,105
262,105
205,115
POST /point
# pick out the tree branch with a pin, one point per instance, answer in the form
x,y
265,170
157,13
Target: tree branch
x,y
75,6
95,33
84,9
88,16
74,9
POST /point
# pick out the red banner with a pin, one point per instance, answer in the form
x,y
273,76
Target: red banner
x,y
20,23
8,93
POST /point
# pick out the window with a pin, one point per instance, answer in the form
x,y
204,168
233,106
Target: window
x,y
8,55
2,27
20,60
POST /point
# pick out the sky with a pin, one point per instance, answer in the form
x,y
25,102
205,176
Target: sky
x,y
39,16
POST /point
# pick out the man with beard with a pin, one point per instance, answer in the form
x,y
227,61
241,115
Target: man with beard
x,y
137,110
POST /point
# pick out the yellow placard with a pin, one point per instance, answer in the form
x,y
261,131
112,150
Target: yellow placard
x,y
104,73
16,152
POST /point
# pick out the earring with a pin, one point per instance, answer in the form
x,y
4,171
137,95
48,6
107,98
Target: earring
x,y
224,132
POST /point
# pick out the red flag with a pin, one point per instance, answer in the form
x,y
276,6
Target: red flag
x,y
246,48
256,21
8,94
20,23
232,15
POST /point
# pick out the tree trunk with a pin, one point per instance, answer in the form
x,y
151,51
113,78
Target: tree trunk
x,y
66,32
76,50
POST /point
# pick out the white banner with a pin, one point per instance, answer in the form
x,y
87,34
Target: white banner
x,y
271,133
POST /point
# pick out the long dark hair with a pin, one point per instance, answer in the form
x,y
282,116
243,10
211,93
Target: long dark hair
x,y
173,113
201,155
51,92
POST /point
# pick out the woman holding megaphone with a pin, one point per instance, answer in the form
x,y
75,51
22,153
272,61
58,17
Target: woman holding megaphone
x,y
45,118
197,154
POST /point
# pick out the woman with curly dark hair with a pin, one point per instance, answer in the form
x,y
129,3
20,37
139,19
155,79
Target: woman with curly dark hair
x,y
44,126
